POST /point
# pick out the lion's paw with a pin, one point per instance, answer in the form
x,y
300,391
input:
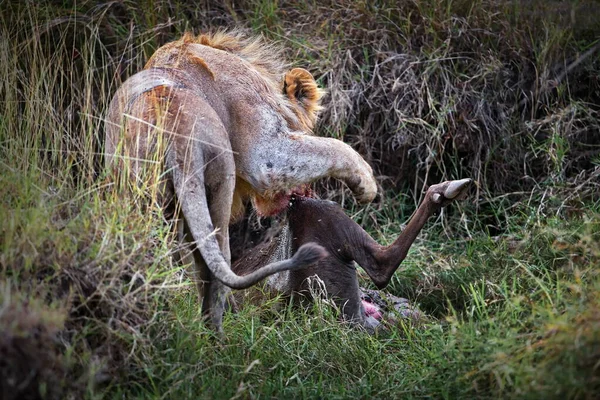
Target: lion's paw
x,y
363,185
369,192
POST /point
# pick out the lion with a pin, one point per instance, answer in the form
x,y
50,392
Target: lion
x,y
227,125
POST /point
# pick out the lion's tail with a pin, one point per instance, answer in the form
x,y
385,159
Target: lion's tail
x,y
306,255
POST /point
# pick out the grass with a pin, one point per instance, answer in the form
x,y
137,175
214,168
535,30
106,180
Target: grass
x,y
504,332
93,305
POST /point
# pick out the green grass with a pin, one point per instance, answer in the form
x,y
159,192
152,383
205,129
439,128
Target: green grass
x,y
520,323
517,317
93,302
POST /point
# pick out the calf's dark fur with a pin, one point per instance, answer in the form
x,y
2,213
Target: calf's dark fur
x,y
325,223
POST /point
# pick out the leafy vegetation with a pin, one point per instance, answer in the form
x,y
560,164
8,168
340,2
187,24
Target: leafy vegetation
x,y
93,304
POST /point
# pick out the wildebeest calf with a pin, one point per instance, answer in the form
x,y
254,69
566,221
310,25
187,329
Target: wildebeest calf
x,y
325,223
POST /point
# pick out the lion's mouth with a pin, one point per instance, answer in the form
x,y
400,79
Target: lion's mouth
x,y
270,206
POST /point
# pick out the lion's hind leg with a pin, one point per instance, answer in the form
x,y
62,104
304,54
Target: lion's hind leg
x,y
203,173
205,197
219,181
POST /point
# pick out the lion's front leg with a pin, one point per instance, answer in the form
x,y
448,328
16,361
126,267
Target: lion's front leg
x,y
288,161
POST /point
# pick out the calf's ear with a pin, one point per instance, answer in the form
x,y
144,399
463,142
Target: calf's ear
x,y
301,89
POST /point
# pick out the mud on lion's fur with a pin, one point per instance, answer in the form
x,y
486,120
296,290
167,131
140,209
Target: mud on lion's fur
x,y
227,124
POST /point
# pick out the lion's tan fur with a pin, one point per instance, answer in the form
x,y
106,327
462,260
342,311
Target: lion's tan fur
x,y
265,58
296,86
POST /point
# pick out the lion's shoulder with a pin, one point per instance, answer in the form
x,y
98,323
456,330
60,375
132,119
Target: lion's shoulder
x,y
294,93
266,58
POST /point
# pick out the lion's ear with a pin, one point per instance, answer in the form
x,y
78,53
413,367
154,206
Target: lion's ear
x,y
300,87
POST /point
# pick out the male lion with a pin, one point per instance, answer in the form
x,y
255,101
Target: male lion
x,y
234,127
